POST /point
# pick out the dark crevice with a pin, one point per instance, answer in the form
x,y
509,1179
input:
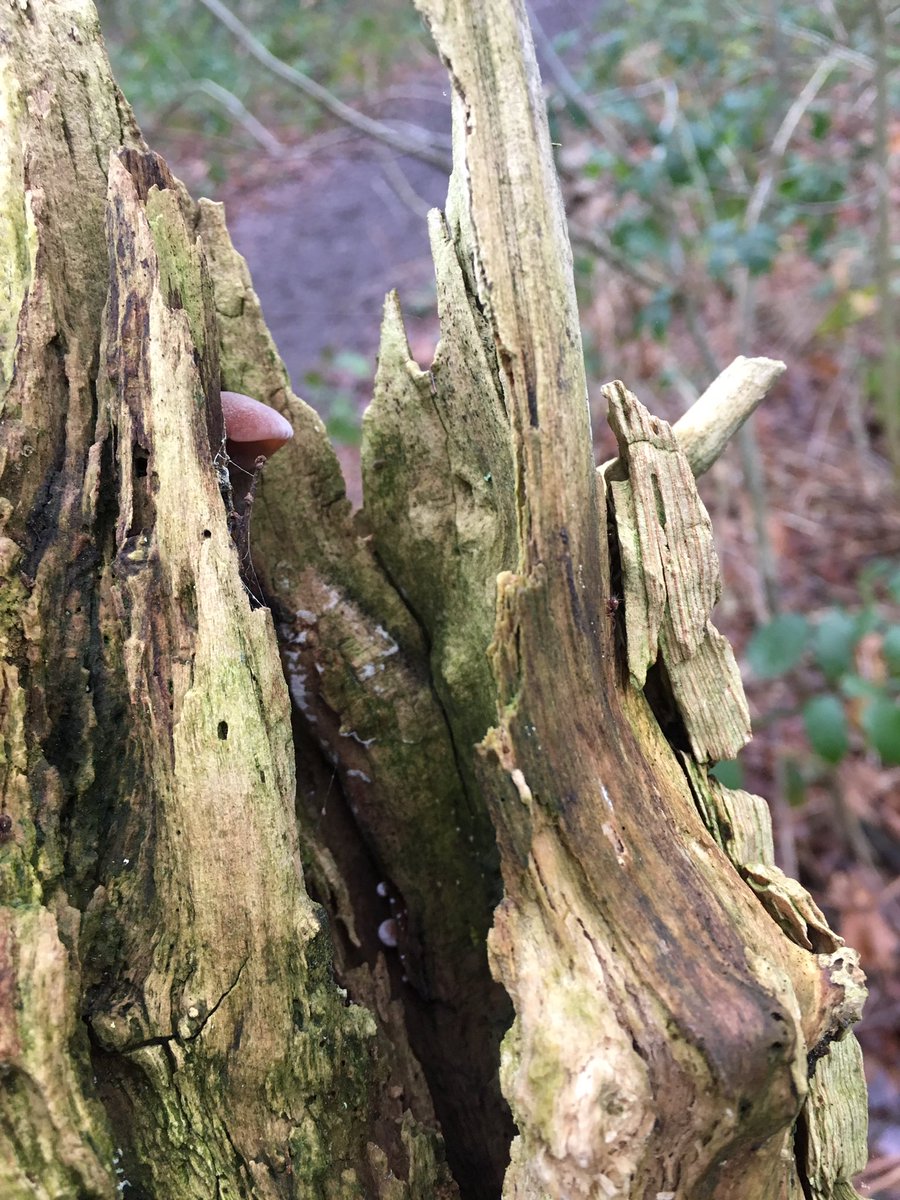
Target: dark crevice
x,y
218,1004
324,815
615,604
67,135
801,1154
660,697
657,685
330,811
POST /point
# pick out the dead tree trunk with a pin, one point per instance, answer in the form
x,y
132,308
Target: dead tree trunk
x,y
479,738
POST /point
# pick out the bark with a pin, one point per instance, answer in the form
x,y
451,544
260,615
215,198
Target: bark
x,y
169,1014
464,737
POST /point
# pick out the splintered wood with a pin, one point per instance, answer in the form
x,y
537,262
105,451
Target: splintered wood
x,y
670,579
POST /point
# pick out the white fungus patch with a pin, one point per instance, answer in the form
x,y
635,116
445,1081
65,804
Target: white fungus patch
x,y
392,645
350,733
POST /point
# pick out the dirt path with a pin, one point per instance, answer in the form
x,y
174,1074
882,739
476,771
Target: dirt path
x,y
326,239
326,246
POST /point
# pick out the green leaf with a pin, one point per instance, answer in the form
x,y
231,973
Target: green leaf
x,y
821,123
826,727
599,163
722,237
677,166
342,421
729,774
881,721
833,642
756,248
778,646
890,648
857,688
641,239
703,135
811,180
647,177
657,315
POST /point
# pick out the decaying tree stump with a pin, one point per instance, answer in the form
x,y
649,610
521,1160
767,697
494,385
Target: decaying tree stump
x,y
479,751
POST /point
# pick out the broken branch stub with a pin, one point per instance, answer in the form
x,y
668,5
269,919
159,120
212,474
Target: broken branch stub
x,y
715,417
733,396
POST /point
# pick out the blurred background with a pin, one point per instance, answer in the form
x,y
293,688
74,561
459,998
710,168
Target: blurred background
x,y
732,175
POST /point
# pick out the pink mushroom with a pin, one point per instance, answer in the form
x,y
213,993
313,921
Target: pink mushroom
x,y
252,429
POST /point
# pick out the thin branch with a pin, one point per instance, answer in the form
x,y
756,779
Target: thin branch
x,y
325,99
598,243
241,114
572,90
400,186
838,27
847,54
709,424
780,142
698,173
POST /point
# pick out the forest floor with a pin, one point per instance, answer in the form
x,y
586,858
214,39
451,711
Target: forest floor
x,y
335,223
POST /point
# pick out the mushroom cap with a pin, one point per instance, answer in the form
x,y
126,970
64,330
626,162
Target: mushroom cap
x,y
252,429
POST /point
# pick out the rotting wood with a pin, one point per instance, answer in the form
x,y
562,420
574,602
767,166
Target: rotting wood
x,y
831,1141
670,580
597,829
377,760
169,1016
667,1015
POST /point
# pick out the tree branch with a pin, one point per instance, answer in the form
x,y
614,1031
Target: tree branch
x,y
423,150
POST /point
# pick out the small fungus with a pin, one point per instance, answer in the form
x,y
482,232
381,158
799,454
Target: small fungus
x,y
252,430
388,932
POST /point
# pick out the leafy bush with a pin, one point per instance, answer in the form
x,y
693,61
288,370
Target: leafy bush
x,y
719,139
846,666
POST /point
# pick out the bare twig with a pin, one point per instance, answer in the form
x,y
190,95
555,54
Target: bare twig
x,y
698,173
571,89
853,58
598,243
241,114
422,149
397,183
838,28
751,459
760,196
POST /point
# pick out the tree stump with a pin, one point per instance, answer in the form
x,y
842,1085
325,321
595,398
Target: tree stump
x,y
304,811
